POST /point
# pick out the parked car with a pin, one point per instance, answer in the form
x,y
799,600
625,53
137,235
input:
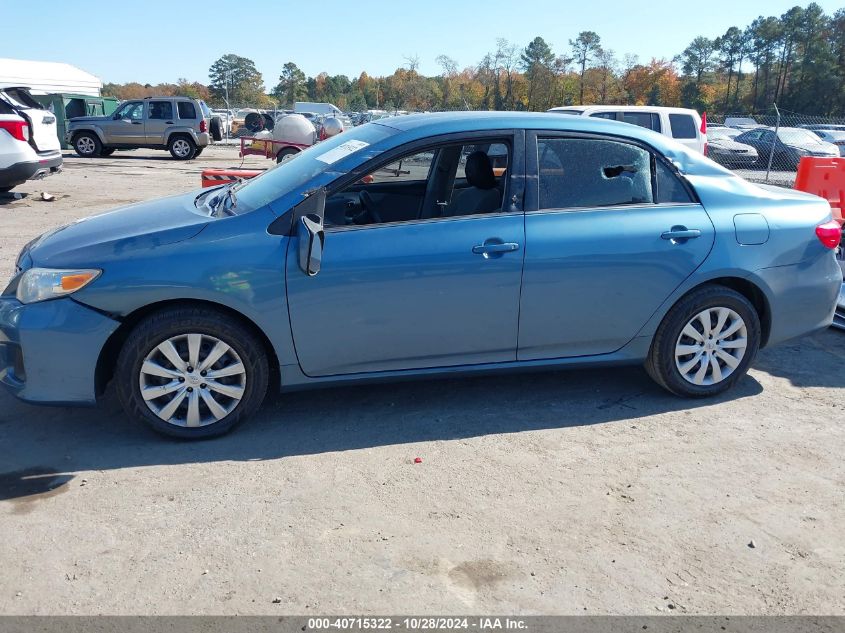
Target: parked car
x,y
681,124
29,145
378,255
790,144
836,137
726,151
177,124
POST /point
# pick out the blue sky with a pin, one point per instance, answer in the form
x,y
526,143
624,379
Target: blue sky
x,y
155,41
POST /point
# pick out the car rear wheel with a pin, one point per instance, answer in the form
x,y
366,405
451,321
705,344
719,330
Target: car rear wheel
x,y
191,372
181,147
198,151
87,145
706,343
286,154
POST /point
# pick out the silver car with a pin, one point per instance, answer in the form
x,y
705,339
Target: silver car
x,y
177,124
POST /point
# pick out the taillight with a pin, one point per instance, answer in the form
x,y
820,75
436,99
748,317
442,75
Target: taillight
x,y
829,234
706,148
203,126
18,129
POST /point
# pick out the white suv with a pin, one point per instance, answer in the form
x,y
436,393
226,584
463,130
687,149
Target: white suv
x,y
29,143
681,124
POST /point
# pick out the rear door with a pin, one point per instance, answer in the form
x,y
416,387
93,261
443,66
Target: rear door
x,y
44,136
159,118
611,231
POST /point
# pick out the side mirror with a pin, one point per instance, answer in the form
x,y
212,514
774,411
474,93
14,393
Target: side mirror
x,y
311,237
116,116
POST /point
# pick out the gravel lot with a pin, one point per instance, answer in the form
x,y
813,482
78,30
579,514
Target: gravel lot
x,y
569,492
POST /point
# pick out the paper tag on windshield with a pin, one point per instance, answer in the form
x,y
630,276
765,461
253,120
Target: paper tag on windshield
x,y
341,151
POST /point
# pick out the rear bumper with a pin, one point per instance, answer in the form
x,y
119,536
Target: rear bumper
x,y
839,317
802,297
49,350
47,164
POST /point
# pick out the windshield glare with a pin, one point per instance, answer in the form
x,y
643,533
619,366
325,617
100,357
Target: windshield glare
x,y
798,136
296,172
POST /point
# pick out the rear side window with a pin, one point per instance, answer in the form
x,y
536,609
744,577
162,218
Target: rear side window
x,y
683,126
670,189
186,110
604,115
588,173
648,120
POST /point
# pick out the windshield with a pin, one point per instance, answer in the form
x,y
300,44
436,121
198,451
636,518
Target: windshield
x,y
797,136
293,173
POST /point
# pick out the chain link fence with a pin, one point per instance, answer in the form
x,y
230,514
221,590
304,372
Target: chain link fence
x,y
768,147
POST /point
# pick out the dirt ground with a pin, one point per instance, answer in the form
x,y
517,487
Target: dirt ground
x,y
569,492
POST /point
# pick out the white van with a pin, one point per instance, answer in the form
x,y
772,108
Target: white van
x,y
681,124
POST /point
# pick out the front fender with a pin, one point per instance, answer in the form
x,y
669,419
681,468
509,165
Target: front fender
x,y
88,127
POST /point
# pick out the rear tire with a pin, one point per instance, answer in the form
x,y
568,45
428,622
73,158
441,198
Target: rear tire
x,y
692,359
198,151
107,151
181,147
207,406
87,145
7,189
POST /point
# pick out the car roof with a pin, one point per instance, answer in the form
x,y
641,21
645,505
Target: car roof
x,y
623,108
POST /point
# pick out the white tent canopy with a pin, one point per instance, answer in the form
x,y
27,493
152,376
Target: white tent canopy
x,y
48,77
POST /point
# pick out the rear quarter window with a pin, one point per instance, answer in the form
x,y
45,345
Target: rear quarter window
x,y
683,126
186,110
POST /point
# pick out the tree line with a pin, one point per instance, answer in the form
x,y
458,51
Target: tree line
x,y
796,60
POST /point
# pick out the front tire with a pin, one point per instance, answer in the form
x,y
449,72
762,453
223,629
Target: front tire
x,y
107,151
87,145
181,147
191,373
705,343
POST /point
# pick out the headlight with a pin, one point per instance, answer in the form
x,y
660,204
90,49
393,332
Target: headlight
x,y
39,284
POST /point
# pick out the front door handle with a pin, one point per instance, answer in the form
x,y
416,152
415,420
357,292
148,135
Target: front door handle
x,y
680,234
494,248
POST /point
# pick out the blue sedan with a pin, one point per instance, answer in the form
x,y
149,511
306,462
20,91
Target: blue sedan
x,y
418,246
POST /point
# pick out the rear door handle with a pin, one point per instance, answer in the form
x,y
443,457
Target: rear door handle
x,y
491,247
680,233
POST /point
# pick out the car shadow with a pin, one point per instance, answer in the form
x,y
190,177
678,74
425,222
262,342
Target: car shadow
x,y
46,446
817,360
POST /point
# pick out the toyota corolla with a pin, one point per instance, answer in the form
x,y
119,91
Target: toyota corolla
x,y
425,245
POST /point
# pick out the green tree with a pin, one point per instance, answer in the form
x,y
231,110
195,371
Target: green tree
x,y
537,60
584,47
240,76
291,86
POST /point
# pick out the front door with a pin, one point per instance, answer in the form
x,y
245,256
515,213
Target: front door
x,y
408,280
611,231
126,125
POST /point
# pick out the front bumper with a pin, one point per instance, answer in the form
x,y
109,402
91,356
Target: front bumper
x,y
47,164
49,350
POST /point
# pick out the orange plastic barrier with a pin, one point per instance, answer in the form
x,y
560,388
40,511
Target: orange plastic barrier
x,y
823,177
214,177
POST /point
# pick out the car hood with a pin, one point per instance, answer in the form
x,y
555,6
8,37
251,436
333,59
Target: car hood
x,y
89,119
117,234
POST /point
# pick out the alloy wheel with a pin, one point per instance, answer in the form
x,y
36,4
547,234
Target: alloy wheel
x,y
192,380
711,346
181,147
85,145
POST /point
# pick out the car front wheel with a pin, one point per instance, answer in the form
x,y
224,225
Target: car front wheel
x,y
87,145
191,372
706,342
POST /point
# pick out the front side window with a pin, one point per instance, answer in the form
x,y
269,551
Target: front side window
x,y
451,180
134,111
683,126
584,173
161,110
